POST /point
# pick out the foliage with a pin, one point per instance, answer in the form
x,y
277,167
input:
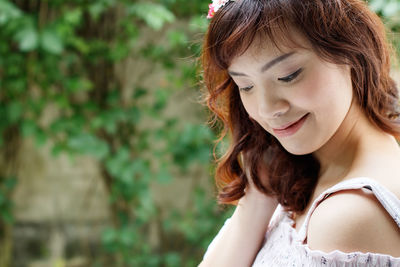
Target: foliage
x,y
59,58
389,11
6,205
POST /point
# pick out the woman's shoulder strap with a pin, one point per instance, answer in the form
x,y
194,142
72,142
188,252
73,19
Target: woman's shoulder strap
x,y
388,200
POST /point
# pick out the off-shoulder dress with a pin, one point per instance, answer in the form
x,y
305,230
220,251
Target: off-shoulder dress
x,y
284,246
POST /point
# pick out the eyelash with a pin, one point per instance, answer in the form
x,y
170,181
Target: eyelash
x,y
286,79
291,77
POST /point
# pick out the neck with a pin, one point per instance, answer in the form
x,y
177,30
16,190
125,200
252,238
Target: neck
x,y
355,142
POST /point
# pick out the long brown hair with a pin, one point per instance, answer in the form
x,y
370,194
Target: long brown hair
x,y
339,31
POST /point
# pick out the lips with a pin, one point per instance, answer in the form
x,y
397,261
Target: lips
x,y
291,129
289,124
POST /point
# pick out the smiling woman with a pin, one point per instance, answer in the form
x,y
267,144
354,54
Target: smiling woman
x,y
293,96
304,91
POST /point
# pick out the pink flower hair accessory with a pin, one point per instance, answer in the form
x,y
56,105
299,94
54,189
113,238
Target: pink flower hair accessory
x,y
215,6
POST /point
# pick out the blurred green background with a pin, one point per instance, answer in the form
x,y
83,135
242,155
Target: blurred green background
x,y
105,154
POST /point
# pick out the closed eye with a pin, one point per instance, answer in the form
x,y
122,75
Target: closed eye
x,y
291,77
245,89
286,79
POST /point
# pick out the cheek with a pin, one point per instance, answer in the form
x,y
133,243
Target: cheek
x,y
328,95
311,95
328,90
250,105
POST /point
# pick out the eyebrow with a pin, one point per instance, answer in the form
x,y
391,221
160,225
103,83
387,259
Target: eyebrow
x,y
266,66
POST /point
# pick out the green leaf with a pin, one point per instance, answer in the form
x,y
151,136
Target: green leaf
x,y
73,17
109,236
161,98
98,7
10,183
78,84
139,92
119,51
198,24
88,144
391,8
80,44
177,38
28,128
57,149
3,199
27,38
95,10
8,11
163,176
147,208
155,15
51,42
40,137
173,259
133,115
14,111
117,161
6,216
97,122
376,5
127,237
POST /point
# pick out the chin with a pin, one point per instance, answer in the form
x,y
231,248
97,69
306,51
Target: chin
x,y
298,150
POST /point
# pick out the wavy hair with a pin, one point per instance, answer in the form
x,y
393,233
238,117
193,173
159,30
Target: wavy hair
x,y
339,31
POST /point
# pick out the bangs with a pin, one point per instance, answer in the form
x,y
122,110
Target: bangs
x,y
239,23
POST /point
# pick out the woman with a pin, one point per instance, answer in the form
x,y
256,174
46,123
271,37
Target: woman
x,y
304,91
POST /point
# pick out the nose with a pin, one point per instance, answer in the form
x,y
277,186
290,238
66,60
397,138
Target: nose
x,y
271,107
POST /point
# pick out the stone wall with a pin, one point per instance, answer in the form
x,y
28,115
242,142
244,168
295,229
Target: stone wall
x,y
61,204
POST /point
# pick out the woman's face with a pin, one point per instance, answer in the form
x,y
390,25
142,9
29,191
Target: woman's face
x,y
279,87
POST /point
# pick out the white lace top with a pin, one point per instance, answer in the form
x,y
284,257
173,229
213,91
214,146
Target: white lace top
x,y
283,246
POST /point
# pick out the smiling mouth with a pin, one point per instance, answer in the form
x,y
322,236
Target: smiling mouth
x,y
292,128
289,125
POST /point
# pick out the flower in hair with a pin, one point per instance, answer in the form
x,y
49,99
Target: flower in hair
x,y
215,6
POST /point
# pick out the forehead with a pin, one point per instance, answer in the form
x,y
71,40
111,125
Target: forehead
x,y
263,47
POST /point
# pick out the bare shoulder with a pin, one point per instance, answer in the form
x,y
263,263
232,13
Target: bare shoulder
x,y
354,220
